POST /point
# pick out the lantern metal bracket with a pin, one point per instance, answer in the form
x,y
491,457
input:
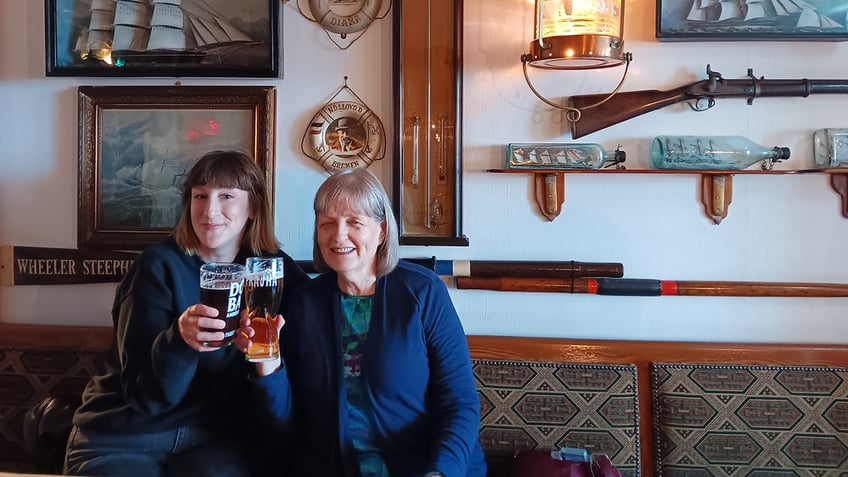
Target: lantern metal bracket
x,y
573,114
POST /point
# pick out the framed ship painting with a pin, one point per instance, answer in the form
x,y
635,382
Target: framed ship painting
x,y
136,143
735,20
175,38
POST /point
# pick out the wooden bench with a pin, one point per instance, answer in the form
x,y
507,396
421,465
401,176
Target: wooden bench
x,y
658,408
756,366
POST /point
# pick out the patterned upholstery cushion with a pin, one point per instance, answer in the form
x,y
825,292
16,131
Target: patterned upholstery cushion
x,y
528,405
27,377
730,420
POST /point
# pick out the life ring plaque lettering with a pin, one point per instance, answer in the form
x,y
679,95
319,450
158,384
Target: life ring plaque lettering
x,y
344,16
345,134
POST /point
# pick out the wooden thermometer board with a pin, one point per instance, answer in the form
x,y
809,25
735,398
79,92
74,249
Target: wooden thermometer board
x,y
428,173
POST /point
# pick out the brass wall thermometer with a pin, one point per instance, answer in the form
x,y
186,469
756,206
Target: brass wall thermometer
x,y
428,170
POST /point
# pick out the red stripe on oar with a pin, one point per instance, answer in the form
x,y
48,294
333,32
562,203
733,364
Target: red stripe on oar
x,y
591,286
668,287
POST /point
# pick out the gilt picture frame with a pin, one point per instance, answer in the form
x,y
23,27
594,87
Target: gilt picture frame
x,y
756,20
136,143
202,38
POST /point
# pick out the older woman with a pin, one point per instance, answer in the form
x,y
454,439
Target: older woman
x,y
167,404
377,377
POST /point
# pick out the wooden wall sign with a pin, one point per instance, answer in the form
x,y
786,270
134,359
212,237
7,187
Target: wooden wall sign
x,y
60,266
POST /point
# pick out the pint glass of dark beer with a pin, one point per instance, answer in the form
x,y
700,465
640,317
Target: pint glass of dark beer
x,y
221,286
263,290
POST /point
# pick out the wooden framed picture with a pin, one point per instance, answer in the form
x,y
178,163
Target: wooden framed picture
x,y
731,20
163,38
137,142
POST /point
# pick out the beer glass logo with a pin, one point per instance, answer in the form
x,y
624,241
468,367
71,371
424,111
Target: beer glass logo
x,y
234,301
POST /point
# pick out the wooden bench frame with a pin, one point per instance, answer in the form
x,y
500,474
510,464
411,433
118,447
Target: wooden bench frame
x,y
640,353
643,353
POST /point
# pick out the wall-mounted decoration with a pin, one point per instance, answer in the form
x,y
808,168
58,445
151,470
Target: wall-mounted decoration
x,y
731,20
163,38
700,95
344,21
344,134
428,78
137,142
61,266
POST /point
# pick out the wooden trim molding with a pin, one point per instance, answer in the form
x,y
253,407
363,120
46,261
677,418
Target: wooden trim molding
x,y
60,337
646,352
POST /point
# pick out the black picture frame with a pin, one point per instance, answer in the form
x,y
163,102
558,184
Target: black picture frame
x,y
223,38
137,142
760,20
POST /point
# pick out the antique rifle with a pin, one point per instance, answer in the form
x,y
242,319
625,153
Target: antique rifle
x,y
504,268
649,287
599,111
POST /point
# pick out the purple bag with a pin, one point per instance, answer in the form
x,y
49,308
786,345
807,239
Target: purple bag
x,y
539,463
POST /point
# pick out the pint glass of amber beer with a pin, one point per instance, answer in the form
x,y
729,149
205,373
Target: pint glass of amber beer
x,y
221,286
263,293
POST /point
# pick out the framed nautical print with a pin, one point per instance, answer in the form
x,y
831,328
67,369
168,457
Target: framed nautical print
x,y
427,186
137,142
162,38
732,20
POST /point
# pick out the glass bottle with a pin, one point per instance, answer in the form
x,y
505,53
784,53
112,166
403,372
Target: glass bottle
x,y
562,156
712,152
830,148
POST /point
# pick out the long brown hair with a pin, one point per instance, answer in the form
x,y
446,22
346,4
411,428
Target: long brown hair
x,y
230,170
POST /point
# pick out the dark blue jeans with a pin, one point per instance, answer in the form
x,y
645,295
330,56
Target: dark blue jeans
x,y
188,450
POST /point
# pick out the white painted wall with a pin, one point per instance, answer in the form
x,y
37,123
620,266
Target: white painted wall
x,y
780,228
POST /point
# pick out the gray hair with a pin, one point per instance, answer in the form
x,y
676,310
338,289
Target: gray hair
x,y
360,190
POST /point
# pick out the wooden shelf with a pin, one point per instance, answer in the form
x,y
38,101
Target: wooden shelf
x,y
716,185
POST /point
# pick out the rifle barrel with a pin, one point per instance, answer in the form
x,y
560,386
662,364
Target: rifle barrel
x,y
650,287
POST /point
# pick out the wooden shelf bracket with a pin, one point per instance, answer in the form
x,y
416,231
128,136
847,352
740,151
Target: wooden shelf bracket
x,y
839,182
716,194
550,193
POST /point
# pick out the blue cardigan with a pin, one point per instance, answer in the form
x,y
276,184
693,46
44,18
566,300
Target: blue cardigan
x,y
419,380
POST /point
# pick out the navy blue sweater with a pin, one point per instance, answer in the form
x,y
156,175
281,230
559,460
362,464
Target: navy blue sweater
x,y
154,381
418,372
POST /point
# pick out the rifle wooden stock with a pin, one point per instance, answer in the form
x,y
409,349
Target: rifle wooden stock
x,y
621,107
649,287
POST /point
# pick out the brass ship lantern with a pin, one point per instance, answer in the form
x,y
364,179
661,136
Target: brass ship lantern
x,y
577,35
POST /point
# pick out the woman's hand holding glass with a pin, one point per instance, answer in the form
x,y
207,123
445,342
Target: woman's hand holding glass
x,y
199,327
246,332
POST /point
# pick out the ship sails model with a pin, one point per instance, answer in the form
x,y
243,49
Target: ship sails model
x,y
155,30
789,14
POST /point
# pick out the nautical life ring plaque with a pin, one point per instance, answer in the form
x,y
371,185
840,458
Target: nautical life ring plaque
x,y
344,16
344,134
344,21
